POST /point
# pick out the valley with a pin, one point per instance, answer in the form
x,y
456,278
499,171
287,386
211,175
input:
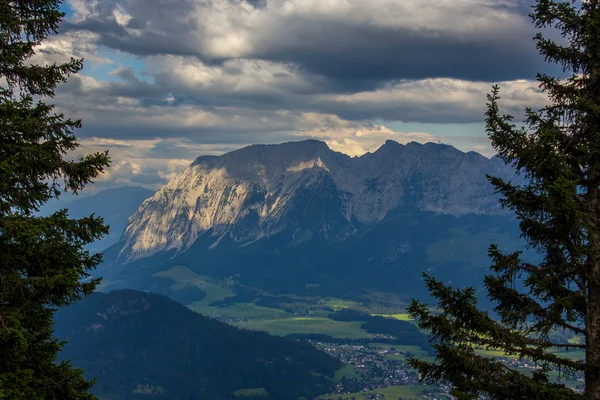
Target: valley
x,y
220,302
375,364
304,243
299,200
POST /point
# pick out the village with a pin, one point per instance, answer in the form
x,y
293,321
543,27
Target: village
x,y
378,368
381,367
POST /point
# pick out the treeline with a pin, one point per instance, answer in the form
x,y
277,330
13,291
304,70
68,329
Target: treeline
x,y
319,337
403,332
134,342
288,303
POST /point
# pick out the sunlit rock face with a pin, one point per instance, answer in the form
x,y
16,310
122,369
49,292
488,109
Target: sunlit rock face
x,y
308,192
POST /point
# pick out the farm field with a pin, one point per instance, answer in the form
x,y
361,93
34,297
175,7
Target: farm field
x,y
306,325
573,355
240,310
183,277
347,371
246,314
416,351
337,304
400,317
279,322
255,317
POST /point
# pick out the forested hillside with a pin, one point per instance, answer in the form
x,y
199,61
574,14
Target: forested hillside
x,y
138,343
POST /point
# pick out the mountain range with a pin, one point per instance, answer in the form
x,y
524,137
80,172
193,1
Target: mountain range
x,y
305,190
299,217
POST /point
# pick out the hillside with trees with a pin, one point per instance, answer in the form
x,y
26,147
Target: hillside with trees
x,y
136,343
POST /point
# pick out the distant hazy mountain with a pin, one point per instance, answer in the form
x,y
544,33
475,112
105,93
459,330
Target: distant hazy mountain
x,y
114,205
299,214
141,345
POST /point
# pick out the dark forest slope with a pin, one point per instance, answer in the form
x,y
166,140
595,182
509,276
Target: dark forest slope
x,y
139,343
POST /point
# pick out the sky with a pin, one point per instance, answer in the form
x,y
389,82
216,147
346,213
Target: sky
x,y
165,81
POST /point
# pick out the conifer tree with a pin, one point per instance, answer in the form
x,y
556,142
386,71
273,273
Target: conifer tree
x,y
558,208
43,264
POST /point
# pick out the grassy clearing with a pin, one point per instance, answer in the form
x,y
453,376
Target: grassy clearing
x,y
258,392
184,277
493,353
400,317
572,355
347,371
240,310
576,340
400,352
337,304
307,325
180,273
272,320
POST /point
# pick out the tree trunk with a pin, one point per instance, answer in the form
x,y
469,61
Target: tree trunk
x,y
592,323
592,350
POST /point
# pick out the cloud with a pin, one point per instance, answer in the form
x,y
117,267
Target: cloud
x,y
356,43
153,162
60,49
237,101
434,100
169,80
149,163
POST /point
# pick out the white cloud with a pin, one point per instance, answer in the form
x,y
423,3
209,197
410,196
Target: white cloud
x,y
226,29
234,77
149,163
60,48
441,99
220,74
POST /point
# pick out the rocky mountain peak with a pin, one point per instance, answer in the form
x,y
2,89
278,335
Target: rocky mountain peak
x,y
306,190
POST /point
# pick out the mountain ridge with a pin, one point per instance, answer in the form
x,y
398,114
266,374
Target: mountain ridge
x,y
262,190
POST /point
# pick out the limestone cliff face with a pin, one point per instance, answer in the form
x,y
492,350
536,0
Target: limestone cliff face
x,y
308,191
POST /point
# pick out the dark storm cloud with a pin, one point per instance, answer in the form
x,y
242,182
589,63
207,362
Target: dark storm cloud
x,y
181,149
220,135
353,54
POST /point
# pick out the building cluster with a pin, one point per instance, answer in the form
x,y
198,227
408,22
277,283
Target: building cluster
x,y
377,368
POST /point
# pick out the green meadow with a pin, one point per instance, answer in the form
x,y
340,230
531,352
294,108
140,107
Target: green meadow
x,y
239,310
347,371
401,317
183,277
337,304
255,317
306,325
